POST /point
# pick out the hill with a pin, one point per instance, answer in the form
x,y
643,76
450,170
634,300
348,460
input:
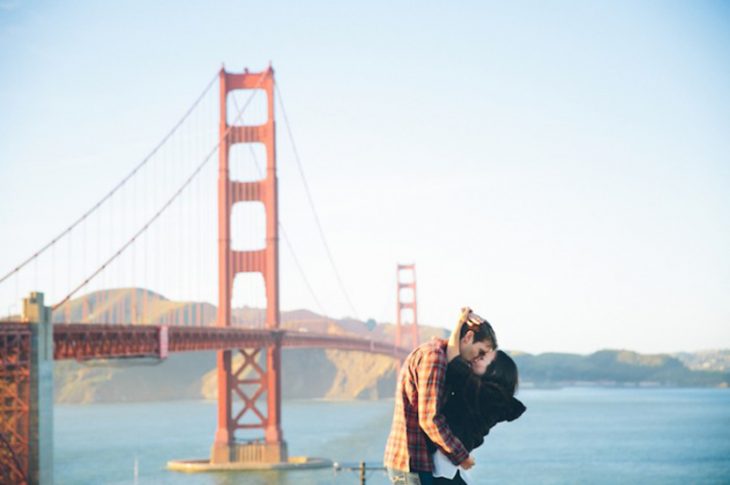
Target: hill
x,y
331,374
614,367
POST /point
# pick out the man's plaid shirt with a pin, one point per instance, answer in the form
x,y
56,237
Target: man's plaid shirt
x,y
416,418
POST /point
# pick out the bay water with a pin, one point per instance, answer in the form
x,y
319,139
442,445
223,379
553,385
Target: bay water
x,y
571,435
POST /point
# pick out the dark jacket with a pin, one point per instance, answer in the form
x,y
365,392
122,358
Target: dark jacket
x,y
474,404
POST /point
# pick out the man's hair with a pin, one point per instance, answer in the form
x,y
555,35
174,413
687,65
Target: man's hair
x,y
483,331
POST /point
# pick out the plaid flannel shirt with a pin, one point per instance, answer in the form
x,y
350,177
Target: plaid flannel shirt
x,y
417,418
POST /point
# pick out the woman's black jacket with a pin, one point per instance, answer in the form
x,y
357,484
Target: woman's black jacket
x,y
474,404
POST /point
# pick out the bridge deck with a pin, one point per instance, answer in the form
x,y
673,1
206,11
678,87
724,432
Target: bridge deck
x,y
89,341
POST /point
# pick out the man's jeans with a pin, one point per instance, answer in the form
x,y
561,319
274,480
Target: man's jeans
x,y
398,477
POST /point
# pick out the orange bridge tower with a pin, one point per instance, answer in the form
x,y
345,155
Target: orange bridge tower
x,y
257,377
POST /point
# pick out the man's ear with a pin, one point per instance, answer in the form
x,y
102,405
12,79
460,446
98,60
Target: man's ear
x,y
468,337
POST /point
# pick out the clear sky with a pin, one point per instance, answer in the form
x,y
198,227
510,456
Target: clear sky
x,y
562,167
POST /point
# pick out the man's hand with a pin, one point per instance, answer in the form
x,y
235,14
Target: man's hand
x,y
468,463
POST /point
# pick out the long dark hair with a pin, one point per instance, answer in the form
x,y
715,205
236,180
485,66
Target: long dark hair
x,y
503,372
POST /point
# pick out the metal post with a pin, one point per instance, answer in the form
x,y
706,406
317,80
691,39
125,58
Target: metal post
x,y
38,317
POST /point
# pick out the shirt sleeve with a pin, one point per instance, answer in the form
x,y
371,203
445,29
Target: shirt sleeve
x,y
431,375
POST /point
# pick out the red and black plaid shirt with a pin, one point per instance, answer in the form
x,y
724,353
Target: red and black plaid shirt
x,y
416,418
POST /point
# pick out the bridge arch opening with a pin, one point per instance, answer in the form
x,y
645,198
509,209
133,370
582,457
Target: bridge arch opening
x,y
406,275
407,316
249,300
247,162
248,226
257,111
407,295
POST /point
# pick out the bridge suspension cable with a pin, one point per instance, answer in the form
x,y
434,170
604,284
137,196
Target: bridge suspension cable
x,y
167,204
116,187
311,203
301,270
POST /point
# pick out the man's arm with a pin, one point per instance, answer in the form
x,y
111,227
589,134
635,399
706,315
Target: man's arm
x,y
431,375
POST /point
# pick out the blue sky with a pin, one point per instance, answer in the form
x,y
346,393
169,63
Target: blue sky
x,y
562,168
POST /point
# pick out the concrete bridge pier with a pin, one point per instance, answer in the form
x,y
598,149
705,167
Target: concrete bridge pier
x,y
40,463
255,451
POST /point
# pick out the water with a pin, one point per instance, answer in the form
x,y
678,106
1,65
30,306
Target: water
x,y
576,435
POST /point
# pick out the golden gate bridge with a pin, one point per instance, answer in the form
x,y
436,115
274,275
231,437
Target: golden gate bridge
x,y
154,224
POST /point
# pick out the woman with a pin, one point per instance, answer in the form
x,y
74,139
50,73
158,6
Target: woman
x,y
477,398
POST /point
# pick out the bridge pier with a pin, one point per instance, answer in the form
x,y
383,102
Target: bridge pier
x,y
249,452
40,443
266,380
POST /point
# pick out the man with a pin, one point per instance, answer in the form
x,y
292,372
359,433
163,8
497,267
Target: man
x,y
419,397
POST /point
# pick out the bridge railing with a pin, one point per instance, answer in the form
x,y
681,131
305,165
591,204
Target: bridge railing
x,y
95,341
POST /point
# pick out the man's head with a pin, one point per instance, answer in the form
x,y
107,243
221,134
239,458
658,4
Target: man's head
x,y
476,338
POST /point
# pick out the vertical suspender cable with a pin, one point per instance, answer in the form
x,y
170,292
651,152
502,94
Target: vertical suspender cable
x,y
311,202
160,212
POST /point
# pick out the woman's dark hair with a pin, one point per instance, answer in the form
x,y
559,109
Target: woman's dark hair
x,y
503,372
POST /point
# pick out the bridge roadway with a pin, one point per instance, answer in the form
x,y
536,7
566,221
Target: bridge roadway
x,y
83,341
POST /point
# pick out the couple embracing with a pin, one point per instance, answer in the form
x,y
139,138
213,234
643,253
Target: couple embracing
x,y
449,395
